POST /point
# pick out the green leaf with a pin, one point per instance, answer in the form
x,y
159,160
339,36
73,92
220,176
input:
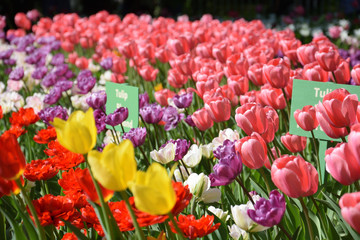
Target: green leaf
x,y
75,230
221,232
19,234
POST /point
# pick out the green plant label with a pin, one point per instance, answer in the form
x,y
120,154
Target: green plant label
x,y
123,95
310,93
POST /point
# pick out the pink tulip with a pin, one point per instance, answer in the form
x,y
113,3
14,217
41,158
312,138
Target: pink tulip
x,y
355,74
162,96
314,72
219,109
294,143
277,73
22,21
354,141
294,176
328,58
252,150
350,209
338,108
306,53
342,72
236,64
148,73
176,79
306,118
342,164
238,84
202,119
255,74
273,97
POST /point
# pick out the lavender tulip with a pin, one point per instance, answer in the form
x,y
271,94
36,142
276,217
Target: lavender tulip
x,y
47,115
117,117
58,59
183,101
269,212
143,100
85,81
97,99
17,74
171,118
100,118
136,136
107,63
152,113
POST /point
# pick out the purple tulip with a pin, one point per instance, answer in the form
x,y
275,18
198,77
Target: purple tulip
x,y
85,81
49,80
152,113
229,166
171,118
268,212
58,59
107,63
136,136
9,61
64,84
100,117
143,100
183,101
48,114
60,70
53,96
17,74
117,117
97,99
189,121
39,72
6,54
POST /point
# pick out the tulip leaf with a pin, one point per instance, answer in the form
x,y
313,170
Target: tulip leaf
x,y
75,230
18,232
221,232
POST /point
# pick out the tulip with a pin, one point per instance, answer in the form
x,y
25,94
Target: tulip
x,y
219,109
294,176
268,212
328,58
165,155
202,119
238,84
115,166
236,64
314,72
355,74
306,53
294,143
252,150
242,219
8,187
183,100
12,160
176,79
342,72
162,96
354,142
306,118
330,130
199,186
273,97
193,157
350,209
277,73
223,216
148,73
342,164
117,117
152,113
251,118
22,21
338,108
255,74
136,136
153,191
84,180
78,133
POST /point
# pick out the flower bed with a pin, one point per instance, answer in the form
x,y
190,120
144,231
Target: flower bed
x,y
212,157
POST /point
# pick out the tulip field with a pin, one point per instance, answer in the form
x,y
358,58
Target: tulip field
x,y
136,127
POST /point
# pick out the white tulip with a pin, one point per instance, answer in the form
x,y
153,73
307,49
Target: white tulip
x,y
193,156
224,216
165,154
199,186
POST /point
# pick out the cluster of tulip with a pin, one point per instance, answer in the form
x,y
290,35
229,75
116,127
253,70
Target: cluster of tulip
x,y
212,156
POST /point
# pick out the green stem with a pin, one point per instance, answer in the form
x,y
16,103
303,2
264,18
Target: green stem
x,y
138,230
343,139
284,231
39,229
193,205
104,209
146,158
178,230
245,190
262,173
316,151
322,217
307,218
117,137
357,185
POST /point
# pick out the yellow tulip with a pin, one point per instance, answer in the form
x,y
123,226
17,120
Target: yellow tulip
x,y
78,133
153,191
115,166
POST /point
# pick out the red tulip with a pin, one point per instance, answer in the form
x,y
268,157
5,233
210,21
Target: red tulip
x,y
176,79
238,84
202,119
252,150
251,117
236,64
148,73
255,74
342,164
328,58
22,21
294,143
12,160
350,209
294,176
